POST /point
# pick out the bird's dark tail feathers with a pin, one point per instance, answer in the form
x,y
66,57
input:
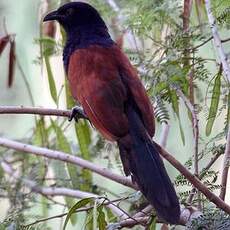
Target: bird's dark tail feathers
x,y
140,158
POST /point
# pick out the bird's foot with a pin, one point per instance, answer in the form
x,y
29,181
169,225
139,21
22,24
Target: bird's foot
x,y
77,113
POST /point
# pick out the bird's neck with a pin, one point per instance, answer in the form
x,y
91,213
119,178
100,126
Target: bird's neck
x,y
81,38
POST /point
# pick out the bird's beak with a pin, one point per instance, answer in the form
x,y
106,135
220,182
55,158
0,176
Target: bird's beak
x,y
52,16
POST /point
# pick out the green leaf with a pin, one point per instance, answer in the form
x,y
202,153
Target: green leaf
x,y
45,207
40,136
69,99
47,45
52,86
89,220
78,205
1,174
95,214
110,215
214,104
60,171
63,145
84,139
101,218
175,106
153,223
160,87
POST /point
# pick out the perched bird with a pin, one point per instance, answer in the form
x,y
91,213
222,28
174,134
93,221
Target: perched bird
x,y
106,84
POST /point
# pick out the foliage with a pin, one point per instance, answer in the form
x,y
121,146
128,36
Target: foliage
x,y
211,219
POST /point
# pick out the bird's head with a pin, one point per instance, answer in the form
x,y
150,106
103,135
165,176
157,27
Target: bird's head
x,y
76,15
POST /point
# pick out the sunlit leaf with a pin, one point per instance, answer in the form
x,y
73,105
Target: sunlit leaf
x,y
214,104
79,204
48,45
153,224
52,86
63,145
175,106
45,208
95,214
101,218
84,139
69,98
40,136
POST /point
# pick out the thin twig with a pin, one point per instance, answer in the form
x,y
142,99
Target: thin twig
x,y
195,127
206,41
164,134
207,167
191,108
195,181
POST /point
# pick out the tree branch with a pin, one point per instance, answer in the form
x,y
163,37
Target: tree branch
x,y
39,111
196,182
217,41
106,173
226,162
58,155
47,191
191,108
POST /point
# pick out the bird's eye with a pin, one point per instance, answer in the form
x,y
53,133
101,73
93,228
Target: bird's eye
x,y
69,11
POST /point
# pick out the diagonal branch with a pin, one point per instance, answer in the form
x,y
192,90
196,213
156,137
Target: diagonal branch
x,y
106,173
196,182
47,191
58,155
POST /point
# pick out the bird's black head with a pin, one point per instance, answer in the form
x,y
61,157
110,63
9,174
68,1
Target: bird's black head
x,y
76,15
83,25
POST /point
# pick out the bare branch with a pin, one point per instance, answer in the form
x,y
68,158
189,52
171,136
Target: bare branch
x,y
39,111
195,127
106,173
164,134
196,182
217,41
226,162
58,155
52,191
191,108
207,167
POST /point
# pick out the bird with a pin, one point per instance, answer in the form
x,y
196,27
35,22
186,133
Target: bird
x,y
104,82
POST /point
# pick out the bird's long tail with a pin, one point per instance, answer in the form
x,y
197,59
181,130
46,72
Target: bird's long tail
x,y
140,158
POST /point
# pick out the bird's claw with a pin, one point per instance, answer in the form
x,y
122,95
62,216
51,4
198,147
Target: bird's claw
x,y
76,114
